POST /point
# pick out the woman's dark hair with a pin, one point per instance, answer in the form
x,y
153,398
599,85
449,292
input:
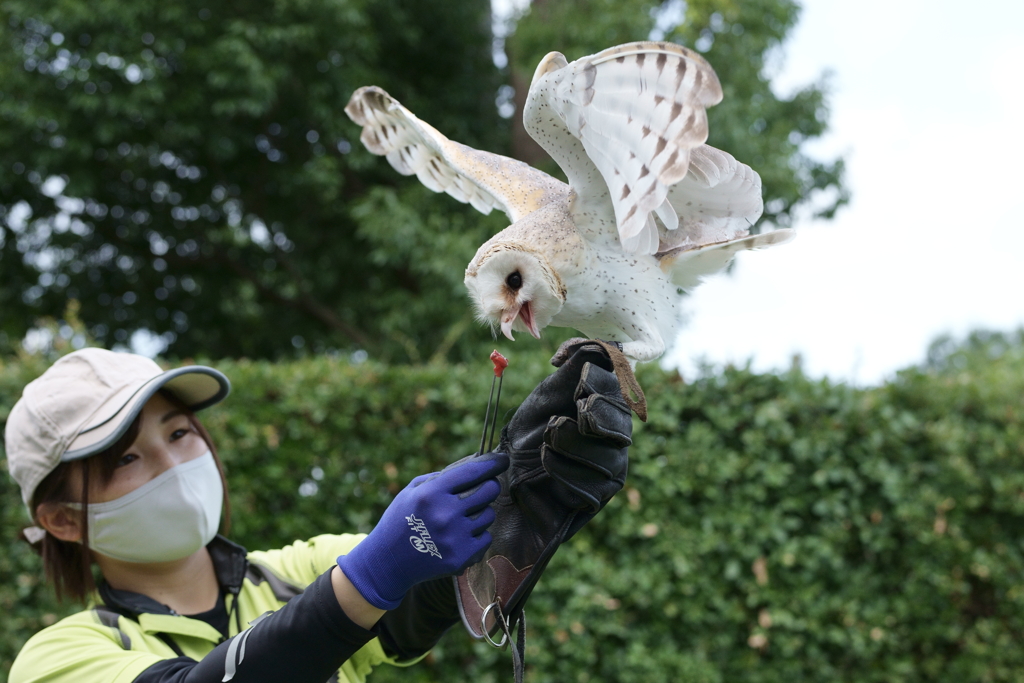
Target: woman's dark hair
x,y
68,564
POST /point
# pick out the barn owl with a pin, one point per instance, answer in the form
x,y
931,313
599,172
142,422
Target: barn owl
x,y
649,209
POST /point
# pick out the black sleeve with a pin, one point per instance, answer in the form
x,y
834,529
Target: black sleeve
x,y
306,641
428,610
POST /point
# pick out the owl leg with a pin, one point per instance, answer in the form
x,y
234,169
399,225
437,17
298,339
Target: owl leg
x,y
648,347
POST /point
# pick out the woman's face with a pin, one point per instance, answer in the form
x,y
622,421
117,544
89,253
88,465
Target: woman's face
x,y
166,439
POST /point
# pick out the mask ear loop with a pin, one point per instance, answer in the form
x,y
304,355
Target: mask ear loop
x,y
34,534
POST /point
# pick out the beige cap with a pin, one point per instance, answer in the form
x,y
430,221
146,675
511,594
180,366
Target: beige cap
x,y
86,401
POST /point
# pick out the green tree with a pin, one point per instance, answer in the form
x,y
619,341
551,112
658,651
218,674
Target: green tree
x,y
213,184
186,168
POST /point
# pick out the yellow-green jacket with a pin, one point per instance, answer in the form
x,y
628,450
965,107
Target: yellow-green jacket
x,y
98,645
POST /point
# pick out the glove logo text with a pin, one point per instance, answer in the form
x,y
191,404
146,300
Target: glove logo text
x,y
422,542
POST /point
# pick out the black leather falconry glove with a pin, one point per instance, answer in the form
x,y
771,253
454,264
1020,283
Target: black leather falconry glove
x,y
567,445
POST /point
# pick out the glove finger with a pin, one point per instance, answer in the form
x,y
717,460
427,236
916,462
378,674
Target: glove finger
x,y
595,379
458,463
570,346
472,471
580,485
584,486
480,497
587,353
556,395
482,520
563,436
605,417
565,351
423,479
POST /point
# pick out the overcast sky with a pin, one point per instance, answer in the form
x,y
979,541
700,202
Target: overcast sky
x,y
926,107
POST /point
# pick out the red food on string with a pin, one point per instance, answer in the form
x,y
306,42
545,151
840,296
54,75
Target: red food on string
x,y
500,363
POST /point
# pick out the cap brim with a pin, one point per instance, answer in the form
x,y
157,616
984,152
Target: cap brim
x,y
197,386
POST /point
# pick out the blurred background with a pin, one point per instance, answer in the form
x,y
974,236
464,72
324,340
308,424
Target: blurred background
x,y
829,487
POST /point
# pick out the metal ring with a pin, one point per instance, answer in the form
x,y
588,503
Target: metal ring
x,y
483,627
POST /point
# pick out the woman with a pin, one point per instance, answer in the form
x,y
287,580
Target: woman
x,y
116,470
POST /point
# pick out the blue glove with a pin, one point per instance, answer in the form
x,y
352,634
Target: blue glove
x,y
436,526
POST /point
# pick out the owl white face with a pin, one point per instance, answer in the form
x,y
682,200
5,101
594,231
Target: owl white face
x,y
515,290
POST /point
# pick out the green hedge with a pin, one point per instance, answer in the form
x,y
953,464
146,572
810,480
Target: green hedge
x,y
773,528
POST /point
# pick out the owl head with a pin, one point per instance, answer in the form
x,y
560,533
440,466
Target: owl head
x,y
513,287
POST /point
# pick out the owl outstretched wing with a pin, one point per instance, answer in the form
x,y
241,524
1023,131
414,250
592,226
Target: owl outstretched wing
x,y
622,124
718,201
412,147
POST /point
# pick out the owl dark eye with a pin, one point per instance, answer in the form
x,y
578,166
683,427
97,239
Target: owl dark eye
x,y
515,280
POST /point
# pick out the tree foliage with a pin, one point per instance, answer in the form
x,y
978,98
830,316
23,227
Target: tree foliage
x,y
214,185
186,168
772,528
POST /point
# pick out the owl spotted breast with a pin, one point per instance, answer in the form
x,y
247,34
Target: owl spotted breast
x,y
649,208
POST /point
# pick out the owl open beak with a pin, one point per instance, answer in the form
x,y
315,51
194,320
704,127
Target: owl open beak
x,y
522,311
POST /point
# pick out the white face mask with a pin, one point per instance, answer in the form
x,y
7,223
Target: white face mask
x,y
167,518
